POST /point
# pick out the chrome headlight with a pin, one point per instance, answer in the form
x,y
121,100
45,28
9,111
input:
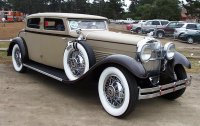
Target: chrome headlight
x,y
169,48
145,53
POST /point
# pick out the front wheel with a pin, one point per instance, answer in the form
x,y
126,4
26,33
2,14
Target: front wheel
x,y
179,74
118,91
190,40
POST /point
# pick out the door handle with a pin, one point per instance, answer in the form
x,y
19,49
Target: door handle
x,y
63,38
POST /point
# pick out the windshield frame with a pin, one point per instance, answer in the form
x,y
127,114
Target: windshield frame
x,y
105,21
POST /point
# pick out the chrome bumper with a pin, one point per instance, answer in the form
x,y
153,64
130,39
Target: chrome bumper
x,y
160,90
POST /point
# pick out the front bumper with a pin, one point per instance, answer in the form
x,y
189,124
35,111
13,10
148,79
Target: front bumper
x,y
146,93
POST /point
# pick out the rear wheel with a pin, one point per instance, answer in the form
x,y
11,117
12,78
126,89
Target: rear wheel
x,y
180,74
17,59
118,91
139,30
160,34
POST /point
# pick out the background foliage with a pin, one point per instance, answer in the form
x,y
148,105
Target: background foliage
x,y
139,9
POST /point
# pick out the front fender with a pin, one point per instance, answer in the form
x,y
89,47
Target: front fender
x,y
22,46
181,59
135,67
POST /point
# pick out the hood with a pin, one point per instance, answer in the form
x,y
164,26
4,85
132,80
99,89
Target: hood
x,y
111,37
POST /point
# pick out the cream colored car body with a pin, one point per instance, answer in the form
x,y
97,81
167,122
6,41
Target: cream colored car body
x,y
47,46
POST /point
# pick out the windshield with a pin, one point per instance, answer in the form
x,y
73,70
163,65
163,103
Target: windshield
x,y
87,24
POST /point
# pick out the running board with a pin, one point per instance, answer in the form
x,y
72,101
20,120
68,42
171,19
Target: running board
x,y
54,73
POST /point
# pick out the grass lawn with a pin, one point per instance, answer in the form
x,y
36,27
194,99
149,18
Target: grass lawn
x,y
3,54
4,44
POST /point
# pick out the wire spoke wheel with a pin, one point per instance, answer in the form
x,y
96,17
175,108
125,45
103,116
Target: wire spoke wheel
x,y
76,62
17,59
114,91
118,91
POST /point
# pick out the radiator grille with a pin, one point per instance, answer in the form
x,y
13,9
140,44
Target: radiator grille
x,y
154,64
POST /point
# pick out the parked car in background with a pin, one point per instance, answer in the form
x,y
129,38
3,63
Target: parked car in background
x,y
129,26
191,37
183,28
127,21
137,28
79,48
167,30
151,25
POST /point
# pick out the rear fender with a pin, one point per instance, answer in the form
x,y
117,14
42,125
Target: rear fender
x,y
22,45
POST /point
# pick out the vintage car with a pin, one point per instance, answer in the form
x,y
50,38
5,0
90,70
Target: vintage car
x,y
74,47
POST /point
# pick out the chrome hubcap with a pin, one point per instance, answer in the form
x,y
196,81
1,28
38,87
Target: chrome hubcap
x,y
160,35
18,56
190,40
114,91
76,63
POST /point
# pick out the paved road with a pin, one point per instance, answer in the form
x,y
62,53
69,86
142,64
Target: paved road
x,y
32,99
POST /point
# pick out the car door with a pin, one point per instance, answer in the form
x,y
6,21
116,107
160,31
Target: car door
x,y
147,25
154,25
191,28
198,33
32,38
169,29
53,41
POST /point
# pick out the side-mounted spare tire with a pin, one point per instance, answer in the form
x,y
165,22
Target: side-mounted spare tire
x,y
78,59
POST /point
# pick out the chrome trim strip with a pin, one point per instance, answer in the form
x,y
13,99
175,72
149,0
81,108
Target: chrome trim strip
x,y
42,72
160,90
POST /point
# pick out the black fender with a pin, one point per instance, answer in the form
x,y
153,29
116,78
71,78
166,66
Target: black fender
x,y
22,45
133,66
181,59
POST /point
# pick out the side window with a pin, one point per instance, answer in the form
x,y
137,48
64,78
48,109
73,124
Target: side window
x,y
164,22
172,25
149,23
33,23
54,24
155,23
191,26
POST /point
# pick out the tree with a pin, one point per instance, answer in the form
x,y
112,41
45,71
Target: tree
x,y
192,7
160,9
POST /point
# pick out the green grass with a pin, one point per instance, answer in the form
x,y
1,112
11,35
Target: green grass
x,y
4,59
4,44
193,56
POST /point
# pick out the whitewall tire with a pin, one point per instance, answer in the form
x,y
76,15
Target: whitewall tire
x,y
117,91
17,59
78,58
